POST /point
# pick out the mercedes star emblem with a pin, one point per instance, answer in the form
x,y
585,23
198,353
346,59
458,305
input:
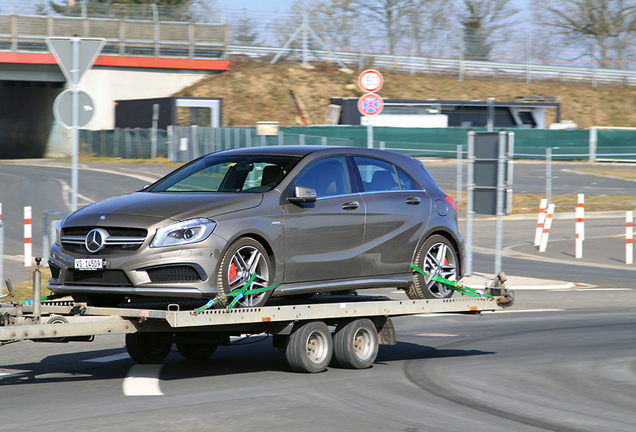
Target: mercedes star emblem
x,y
96,240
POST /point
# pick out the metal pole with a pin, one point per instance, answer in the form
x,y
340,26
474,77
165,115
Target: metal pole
x,y
548,175
490,121
593,144
37,290
468,269
370,136
153,136
501,187
1,256
511,167
459,174
46,242
305,37
75,120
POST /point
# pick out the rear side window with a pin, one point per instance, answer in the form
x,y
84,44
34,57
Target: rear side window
x,y
329,177
378,175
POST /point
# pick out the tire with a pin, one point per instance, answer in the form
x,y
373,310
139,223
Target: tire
x,y
147,347
355,344
99,300
436,256
240,261
310,347
196,351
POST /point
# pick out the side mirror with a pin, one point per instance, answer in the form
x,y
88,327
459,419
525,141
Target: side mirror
x,y
303,194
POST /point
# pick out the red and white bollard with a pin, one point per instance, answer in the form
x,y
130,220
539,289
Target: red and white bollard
x,y
629,236
27,237
539,232
546,229
580,216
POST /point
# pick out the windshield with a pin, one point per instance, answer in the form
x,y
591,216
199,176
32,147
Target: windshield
x,y
241,173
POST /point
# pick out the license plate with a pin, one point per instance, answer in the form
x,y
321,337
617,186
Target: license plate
x,y
89,264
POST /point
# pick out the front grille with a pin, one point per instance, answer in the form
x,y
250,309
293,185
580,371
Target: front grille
x,y
103,278
173,274
120,240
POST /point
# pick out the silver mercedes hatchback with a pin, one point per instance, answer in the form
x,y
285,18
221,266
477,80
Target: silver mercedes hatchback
x,y
310,219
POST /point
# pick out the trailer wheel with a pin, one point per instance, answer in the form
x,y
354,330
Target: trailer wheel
x,y
243,258
355,344
437,257
310,347
196,351
147,347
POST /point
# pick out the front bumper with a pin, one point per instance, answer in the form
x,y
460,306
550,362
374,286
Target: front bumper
x,y
160,272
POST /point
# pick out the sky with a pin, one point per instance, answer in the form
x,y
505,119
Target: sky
x,y
256,5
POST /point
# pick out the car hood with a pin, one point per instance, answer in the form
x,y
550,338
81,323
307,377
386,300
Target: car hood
x,y
164,205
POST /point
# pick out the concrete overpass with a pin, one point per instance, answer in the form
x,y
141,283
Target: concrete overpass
x,y
141,59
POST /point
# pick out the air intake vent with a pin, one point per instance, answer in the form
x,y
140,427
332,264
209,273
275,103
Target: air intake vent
x,y
173,274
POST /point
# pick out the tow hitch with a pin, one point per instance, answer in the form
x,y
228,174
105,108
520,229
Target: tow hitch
x,y
496,288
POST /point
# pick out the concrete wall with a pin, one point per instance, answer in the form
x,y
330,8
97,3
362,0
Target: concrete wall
x,y
107,85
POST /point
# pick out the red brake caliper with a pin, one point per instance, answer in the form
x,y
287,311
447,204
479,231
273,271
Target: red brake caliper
x,y
233,271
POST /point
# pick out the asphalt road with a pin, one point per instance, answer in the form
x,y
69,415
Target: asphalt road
x,y
559,360
543,370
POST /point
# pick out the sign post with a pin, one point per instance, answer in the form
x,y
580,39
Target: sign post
x,y
74,56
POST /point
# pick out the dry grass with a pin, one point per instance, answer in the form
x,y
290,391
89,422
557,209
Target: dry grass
x,y
529,203
163,161
24,290
610,173
254,91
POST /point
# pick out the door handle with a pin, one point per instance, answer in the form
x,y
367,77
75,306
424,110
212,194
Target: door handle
x,y
351,205
413,201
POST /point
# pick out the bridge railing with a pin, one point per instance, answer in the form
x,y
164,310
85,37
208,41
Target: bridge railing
x,y
20,33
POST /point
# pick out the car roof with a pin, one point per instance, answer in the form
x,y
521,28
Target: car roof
x,y
295,150
302,151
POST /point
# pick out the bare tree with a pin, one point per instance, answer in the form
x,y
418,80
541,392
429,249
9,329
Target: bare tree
x,y
389,14
426,19
608,24
483,24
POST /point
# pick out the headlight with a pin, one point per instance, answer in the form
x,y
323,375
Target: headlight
x,y
58,229
184,232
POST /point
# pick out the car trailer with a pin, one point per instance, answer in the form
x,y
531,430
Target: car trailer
x,y
304,331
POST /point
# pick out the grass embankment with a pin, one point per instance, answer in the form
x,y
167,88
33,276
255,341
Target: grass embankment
x,y
24,290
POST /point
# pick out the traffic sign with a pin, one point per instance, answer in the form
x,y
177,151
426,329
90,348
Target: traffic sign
x,y
63,108
87,50
370,104
370,80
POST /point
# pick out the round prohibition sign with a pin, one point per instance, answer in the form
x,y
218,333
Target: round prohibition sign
x,y
370,80
370,104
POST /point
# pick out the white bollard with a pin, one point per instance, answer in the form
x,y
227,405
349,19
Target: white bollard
x,y
578,229
546,229
540,222
580,215
629,236
27,237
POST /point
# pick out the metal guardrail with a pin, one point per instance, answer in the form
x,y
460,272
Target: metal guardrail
x,y
20,33
457,66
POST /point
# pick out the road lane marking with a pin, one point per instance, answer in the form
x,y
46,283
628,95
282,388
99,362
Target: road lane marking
x,y
110,358
143,380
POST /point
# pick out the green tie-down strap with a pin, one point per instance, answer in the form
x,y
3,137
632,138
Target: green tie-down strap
x,y
238,294
454,285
